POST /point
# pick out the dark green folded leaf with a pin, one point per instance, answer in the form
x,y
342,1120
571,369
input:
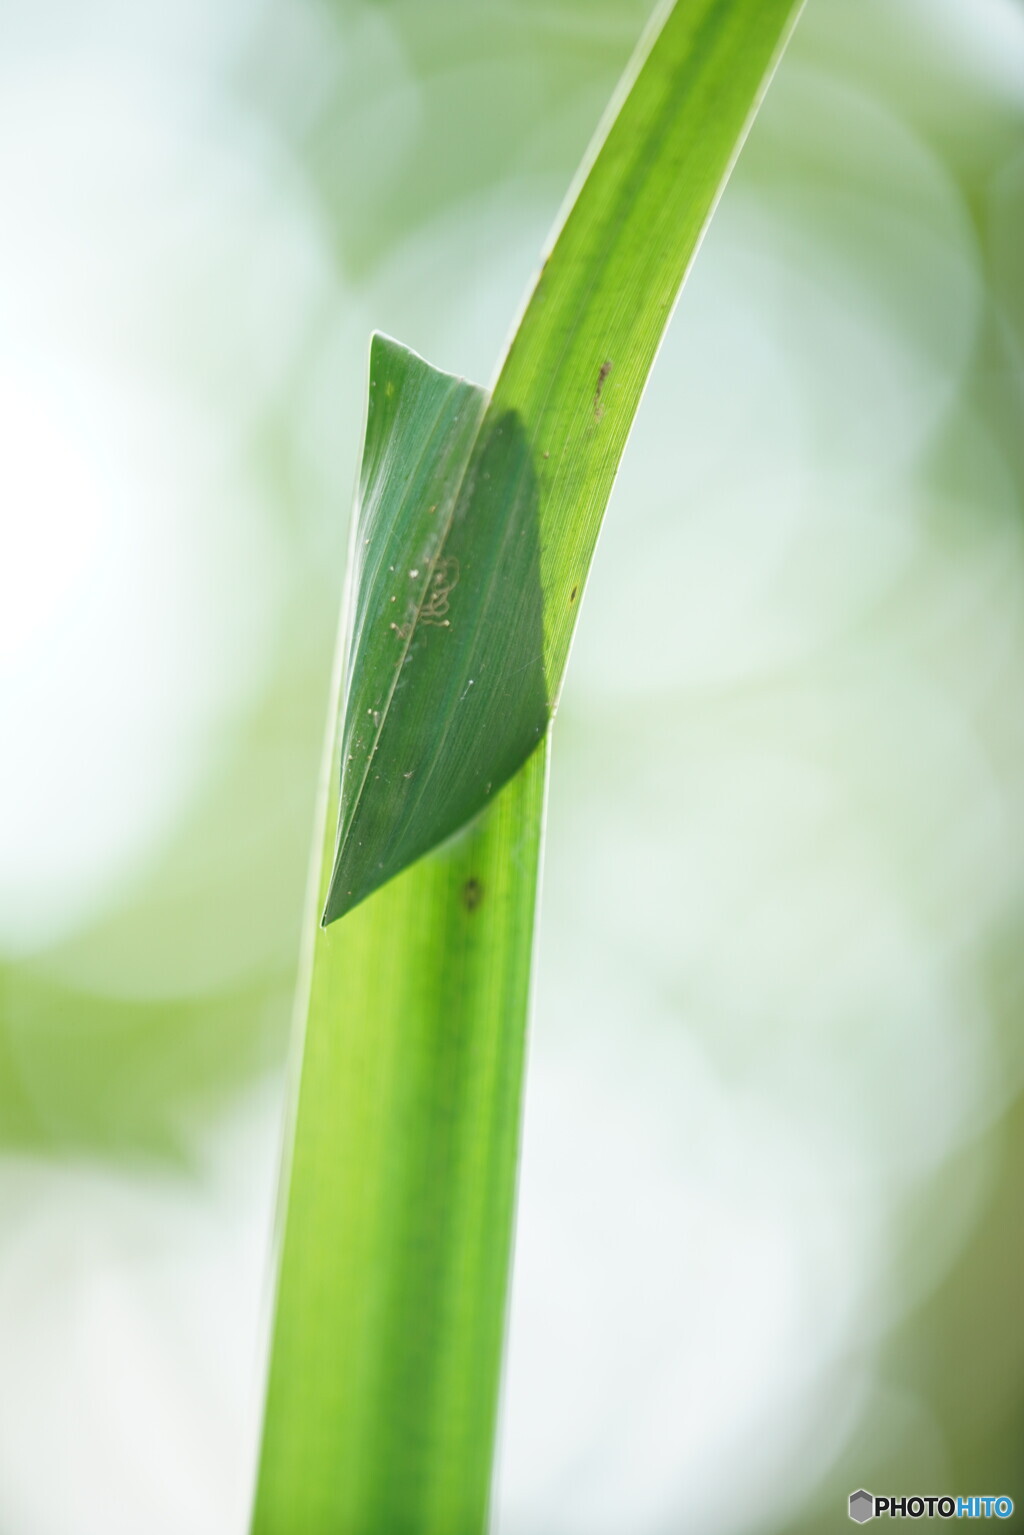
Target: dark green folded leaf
x,y
445,692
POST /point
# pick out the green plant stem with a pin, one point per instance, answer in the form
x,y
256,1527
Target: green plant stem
x,y
393,1281
399,1221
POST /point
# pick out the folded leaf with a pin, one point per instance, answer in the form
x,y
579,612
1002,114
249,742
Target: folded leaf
x,y
445,690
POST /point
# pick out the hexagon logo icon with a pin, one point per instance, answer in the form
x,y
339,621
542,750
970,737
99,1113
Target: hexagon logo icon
x,y
862,1506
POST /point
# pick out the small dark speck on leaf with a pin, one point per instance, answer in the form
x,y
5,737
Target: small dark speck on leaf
x,y
572,594
606,368
472,893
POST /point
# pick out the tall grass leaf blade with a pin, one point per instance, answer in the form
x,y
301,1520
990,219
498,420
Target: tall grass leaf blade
x,y
477,521
580,357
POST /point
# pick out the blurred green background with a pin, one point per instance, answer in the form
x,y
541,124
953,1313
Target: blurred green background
x,y
770,1245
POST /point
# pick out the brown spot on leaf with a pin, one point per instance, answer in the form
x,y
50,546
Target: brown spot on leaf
x,y
472,893
606,368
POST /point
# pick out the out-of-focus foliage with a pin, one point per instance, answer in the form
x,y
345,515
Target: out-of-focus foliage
x,y
772,1139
